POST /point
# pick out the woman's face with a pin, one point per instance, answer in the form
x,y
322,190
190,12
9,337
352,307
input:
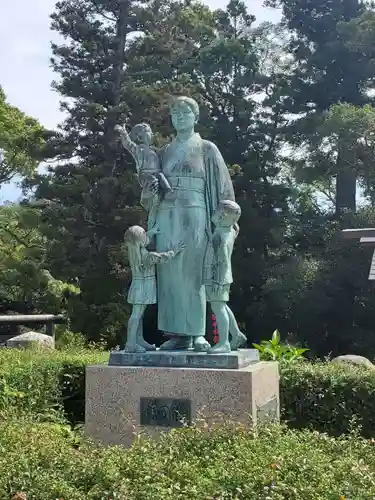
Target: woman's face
x,y
183,117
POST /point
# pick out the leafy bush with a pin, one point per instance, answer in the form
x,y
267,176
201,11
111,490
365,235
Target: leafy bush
x,y
276,351
323,396
45,383
65,339
190,464
328,397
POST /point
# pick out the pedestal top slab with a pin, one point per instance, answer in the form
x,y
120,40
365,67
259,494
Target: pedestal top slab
x,y
185,359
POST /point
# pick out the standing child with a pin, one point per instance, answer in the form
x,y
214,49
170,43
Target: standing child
x,y
218,275
143,287
147,162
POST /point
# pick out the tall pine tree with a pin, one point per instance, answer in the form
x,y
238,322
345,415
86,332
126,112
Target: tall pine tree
x,y
92,194
220,59
110,75
327,72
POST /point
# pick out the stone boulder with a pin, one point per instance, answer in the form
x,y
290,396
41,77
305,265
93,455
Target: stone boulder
x,y
354,360
31,339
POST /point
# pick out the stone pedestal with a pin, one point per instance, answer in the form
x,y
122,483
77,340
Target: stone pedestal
x,y
121,400
185,359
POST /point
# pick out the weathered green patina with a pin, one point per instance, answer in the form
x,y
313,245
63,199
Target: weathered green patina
x,y
217,276
199,179
143,288
181,201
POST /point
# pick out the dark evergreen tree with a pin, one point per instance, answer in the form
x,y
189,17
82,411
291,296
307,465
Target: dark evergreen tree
x,y
225,64
327,72
92,194
108,76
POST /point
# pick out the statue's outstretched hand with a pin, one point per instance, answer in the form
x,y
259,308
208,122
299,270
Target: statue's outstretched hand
x,y
180,247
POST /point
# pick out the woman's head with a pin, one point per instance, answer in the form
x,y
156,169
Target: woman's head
x,y
135,236
184,113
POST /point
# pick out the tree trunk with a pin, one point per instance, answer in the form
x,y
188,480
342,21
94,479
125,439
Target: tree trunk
x,y
346,186
117,78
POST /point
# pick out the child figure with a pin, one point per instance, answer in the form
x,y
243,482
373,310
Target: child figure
x,y
143,287
218,275
147,162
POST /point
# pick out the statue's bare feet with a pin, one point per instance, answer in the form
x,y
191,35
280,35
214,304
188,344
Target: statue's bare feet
x,y
149,347
238,340
176,344
201,344
219,348
133,347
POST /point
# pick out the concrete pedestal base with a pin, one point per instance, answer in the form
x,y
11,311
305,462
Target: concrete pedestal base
x,y
121,400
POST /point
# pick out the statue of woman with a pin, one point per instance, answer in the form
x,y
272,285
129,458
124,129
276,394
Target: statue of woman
x,y
199,179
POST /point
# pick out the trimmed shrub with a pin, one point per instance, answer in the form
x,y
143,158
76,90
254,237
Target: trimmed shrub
x,y
45,384
189,464
323,396
328,397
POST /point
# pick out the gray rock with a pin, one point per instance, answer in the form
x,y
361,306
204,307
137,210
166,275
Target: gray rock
x,y
30,339
354,360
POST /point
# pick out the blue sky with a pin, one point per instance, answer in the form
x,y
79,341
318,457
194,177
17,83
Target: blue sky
x,y
25,72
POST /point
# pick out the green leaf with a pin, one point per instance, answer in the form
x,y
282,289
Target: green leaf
x,y
301,351
275,338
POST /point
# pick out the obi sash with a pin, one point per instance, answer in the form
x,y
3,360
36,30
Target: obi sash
x,y
186,192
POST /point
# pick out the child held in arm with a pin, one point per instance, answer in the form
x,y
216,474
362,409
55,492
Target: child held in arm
x,y
218,275
147,162
143,286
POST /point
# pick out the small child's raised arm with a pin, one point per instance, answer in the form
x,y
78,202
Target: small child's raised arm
x,y
126,141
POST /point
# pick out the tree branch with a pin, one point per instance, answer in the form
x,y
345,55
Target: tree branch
x,y
20,240
98,11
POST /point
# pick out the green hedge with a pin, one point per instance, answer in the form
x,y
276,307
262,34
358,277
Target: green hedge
x,y
328,397
190,464
45,384
323,396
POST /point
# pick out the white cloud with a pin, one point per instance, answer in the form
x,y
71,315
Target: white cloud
x,y
25,72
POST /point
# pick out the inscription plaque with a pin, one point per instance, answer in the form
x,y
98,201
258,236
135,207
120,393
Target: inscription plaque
x,y
165,412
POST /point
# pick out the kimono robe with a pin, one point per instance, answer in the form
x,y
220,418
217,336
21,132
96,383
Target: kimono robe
x,y
199,179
